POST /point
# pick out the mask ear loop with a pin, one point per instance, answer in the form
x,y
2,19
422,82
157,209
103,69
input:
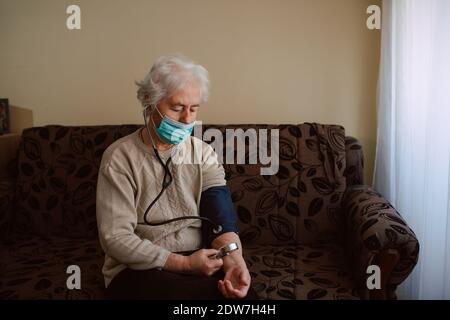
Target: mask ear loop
x,y
160,114
146,124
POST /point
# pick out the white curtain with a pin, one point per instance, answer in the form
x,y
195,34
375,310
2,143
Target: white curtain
x,y
412,166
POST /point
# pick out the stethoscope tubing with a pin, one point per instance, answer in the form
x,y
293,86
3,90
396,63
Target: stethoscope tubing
x,y
217,228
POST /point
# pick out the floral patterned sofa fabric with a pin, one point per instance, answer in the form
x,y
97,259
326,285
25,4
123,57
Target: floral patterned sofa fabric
x,y
35,268
302,202
305,272
354,172
309,231
57,177
373,226
7,192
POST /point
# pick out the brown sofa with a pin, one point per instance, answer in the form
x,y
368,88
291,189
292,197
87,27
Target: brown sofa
x,y
309,232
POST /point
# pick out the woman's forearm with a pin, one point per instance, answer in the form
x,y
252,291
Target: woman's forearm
x,y
177,263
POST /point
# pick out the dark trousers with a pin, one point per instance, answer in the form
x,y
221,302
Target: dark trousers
x,y
157,284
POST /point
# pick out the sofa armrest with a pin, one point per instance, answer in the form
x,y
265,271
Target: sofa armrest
x,y
7,192
376,234
354,170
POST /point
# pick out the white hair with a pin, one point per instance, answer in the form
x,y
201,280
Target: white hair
x,y
169,74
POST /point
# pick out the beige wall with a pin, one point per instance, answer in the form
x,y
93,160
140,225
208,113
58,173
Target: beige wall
x,y
270,61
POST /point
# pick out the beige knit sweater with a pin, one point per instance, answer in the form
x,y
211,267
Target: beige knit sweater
x,y
129,178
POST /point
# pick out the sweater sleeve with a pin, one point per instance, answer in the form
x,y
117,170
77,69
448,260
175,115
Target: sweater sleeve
x,y
213,174
117,219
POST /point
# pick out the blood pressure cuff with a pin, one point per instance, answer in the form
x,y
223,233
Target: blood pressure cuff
x,y
216,204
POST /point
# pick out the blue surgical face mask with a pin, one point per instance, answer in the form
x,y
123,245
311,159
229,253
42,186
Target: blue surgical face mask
x,y
171,131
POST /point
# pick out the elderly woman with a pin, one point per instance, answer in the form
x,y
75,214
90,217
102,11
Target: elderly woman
x,y
139,186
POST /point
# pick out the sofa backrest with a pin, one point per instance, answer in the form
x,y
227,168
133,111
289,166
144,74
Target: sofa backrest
x,y
57,178
302,201
58,168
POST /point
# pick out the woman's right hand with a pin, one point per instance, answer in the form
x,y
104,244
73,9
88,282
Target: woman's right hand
x,y
200,262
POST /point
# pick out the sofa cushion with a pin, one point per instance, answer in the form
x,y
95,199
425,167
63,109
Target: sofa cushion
x,y
302,272
35,268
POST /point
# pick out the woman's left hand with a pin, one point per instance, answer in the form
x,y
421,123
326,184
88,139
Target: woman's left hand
x,y
236,282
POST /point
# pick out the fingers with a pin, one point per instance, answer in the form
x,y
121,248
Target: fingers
x,y
222,289
211,265
217,263
235,293
235,284
214,265
210,252
211,269
227,290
